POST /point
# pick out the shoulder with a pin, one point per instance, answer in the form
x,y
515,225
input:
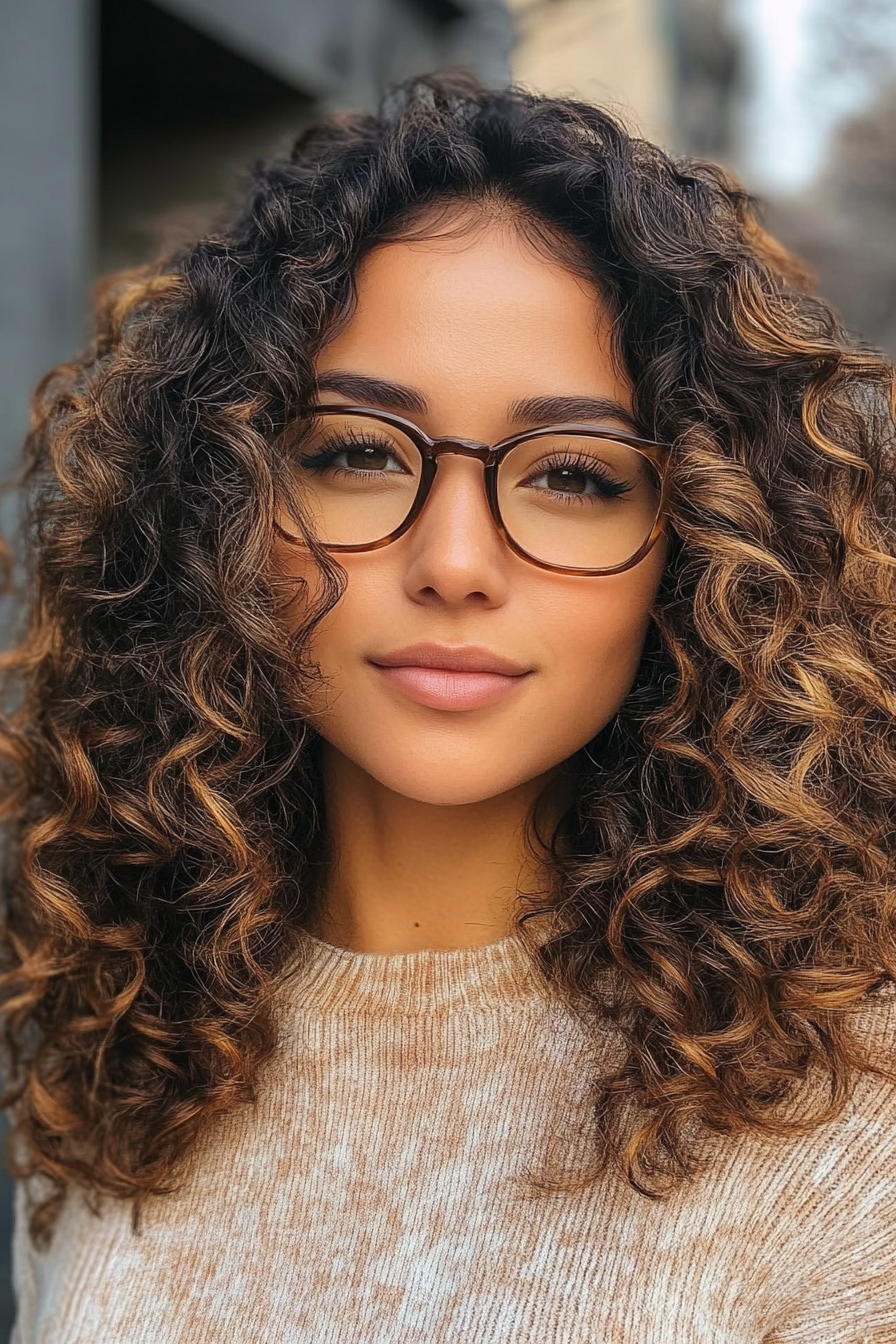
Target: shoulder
x,y
833,1194
874,1030
831,1170
865,1134
848,1163
870,1108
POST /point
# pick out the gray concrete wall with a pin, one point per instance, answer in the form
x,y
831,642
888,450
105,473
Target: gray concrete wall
x,y
47,168
343,52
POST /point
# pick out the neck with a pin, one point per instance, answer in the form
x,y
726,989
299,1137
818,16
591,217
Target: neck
x,y
405,875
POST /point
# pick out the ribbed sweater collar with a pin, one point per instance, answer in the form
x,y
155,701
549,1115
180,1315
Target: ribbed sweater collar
x,y
333,980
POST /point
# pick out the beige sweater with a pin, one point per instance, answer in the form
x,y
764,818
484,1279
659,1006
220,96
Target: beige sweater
x,y
377,1195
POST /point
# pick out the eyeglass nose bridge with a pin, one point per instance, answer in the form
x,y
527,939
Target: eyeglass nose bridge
x,y
432,450
475,448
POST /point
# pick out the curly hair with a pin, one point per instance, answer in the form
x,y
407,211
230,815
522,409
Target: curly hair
x,y
726,880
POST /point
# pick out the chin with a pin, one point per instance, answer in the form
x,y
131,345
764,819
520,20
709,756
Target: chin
x,y
439,772
453,786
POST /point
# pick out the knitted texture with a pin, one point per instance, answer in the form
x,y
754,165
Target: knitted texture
x,y
380,1193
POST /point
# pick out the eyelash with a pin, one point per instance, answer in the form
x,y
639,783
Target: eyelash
x,y
325,456
568,462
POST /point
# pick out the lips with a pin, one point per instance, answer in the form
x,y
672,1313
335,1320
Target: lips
x,y
461,677
451,658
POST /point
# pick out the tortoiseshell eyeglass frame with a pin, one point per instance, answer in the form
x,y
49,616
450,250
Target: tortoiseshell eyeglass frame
x,y
491,455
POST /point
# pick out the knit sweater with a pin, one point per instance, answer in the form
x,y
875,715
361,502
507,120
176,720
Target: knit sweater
x,y
380,1192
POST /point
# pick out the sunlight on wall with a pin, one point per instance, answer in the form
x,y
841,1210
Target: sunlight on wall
x,y
611,52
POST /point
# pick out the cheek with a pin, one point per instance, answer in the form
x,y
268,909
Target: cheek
x,y
595,649
303,588
351,628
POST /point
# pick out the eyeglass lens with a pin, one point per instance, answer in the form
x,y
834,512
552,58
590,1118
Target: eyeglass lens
x,y
572,500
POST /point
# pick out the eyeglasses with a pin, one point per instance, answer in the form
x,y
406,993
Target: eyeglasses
x,y
570,497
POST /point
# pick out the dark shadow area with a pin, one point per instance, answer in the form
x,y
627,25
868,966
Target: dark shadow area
x,y
181,118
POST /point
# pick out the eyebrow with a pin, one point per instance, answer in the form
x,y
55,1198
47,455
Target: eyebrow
x,y
556,410
363,389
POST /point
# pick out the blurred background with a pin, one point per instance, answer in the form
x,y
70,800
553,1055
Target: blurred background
x,y
124,122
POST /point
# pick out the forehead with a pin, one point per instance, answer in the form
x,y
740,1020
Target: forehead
x,y
477,310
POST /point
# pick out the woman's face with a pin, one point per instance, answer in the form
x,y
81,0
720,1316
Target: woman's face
x,y
466,330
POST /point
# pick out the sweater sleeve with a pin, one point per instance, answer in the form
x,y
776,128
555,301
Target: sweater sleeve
x,y
847,1292
851,1296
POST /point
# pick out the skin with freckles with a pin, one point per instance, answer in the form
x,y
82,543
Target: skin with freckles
x,y
426,804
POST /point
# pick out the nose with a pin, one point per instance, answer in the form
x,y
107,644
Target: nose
x,y
455,553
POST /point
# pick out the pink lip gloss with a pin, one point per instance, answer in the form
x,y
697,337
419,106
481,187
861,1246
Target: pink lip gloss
x,y
444,688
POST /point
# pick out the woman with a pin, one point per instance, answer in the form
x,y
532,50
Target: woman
x,y
451,791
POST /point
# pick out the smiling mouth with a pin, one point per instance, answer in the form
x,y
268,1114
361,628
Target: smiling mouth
x,y
451,677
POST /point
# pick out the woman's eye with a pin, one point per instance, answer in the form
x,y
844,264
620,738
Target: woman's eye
x,y
367,459
565,481
374,458
577,480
